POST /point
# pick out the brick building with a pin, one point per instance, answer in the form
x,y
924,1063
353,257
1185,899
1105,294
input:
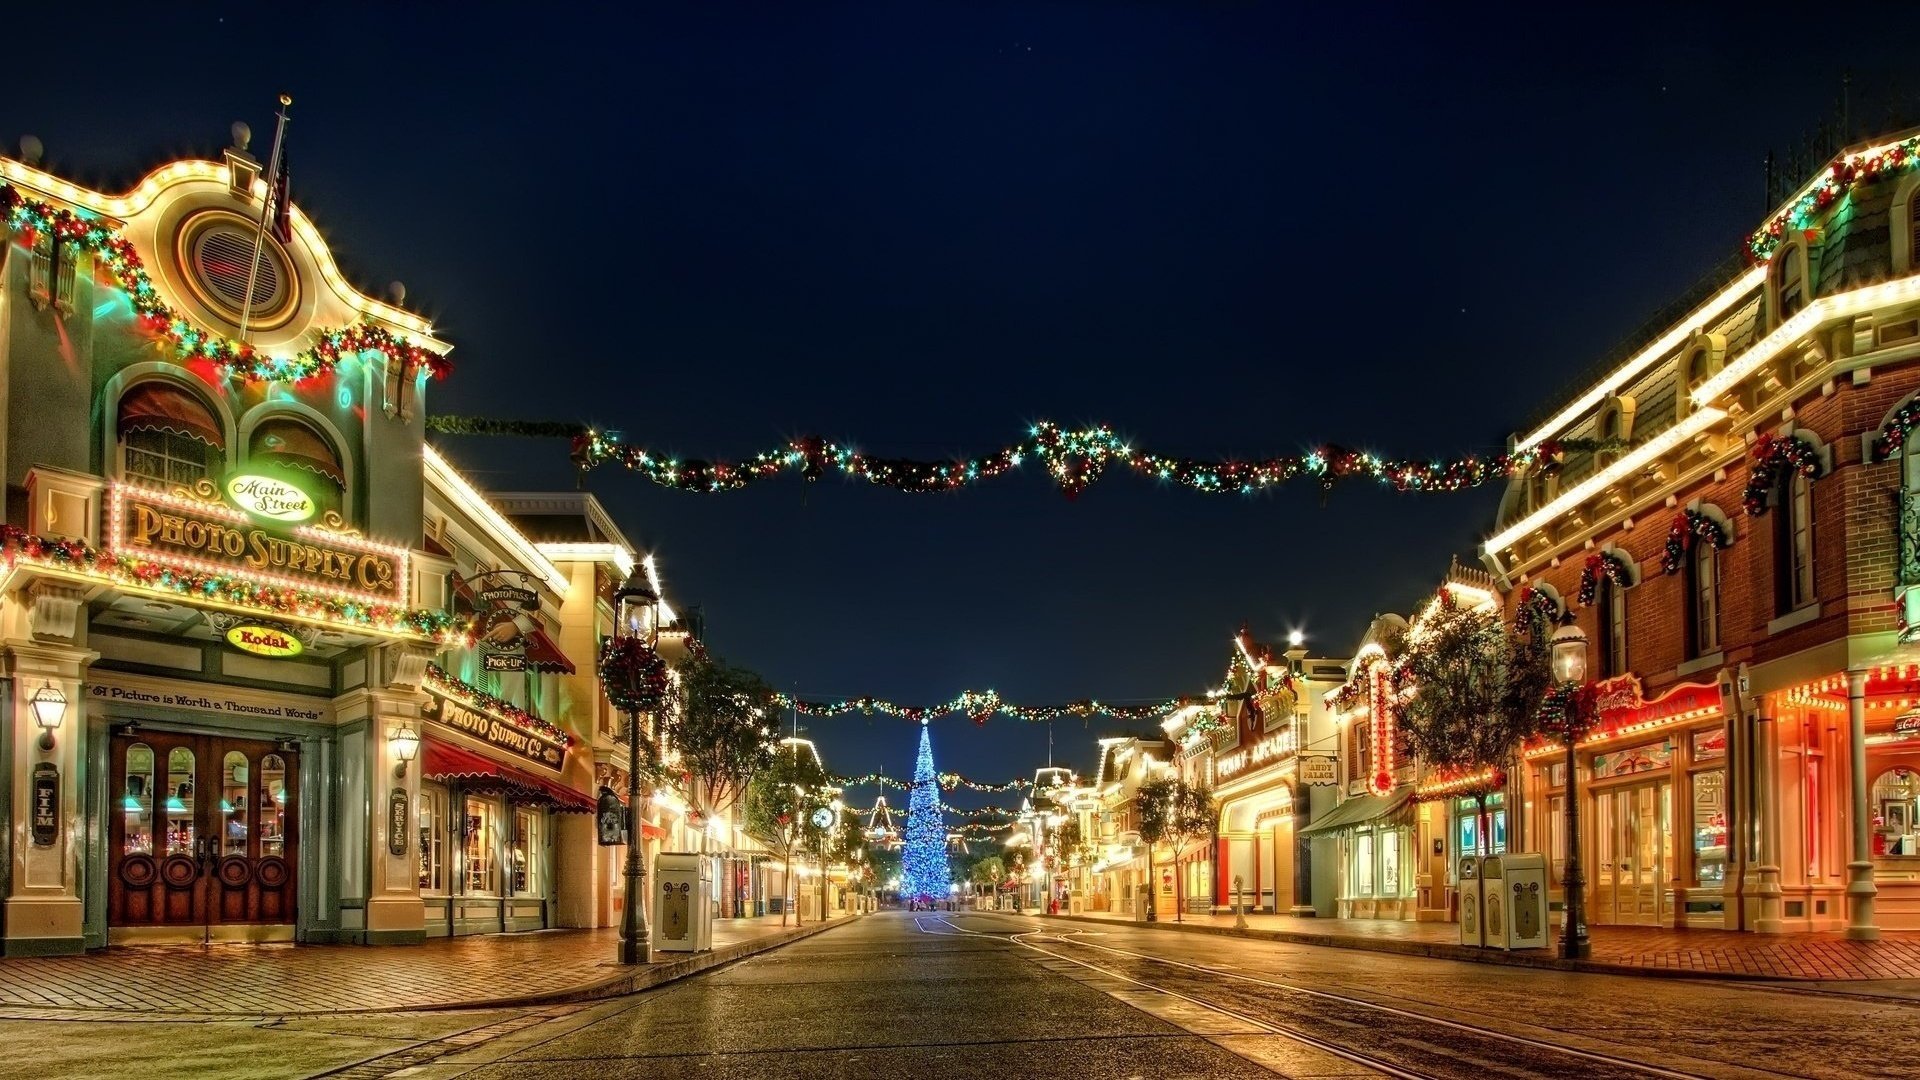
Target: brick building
x,y
1726,525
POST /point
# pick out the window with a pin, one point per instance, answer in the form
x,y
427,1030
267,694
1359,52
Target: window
x,y
1815,820
525,851
168,436
1360,750
298,452
1789,282
1703,599
1613,628
479,829
1710,828
433,834
1363,865
137,800
1793,544
1390,864
1896,799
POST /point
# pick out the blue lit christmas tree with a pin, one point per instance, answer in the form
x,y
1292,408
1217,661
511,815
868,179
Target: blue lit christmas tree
x,y
924,874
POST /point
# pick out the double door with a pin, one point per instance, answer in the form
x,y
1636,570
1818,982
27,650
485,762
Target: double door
x,y
1633,855
203,833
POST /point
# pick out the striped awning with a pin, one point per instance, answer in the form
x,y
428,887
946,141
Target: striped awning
x,y
446,763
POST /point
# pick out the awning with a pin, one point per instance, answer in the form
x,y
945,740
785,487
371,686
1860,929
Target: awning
x,y
297,446
445,762
544,655
162,406
1360,811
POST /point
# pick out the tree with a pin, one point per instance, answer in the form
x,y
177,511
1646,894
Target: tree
x,y
723,732
1184,811
1153,814
1471,692
781,799
987,873
925,872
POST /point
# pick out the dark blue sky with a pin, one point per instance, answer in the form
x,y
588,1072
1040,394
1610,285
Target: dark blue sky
x,y
1224,228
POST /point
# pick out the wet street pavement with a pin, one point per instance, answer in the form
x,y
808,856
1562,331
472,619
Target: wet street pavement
x,y
904,994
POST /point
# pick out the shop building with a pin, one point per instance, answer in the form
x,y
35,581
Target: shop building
x,y
1118,876
1728,513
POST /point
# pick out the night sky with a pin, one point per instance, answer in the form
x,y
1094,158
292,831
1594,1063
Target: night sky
x,y
1218,227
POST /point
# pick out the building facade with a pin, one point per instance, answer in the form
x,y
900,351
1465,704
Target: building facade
x,y
1727,514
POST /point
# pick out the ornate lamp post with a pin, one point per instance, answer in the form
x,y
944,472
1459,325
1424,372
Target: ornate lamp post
x,y
636,612
1570,671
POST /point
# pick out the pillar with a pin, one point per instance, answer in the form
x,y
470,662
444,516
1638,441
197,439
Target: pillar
x,y
395,914
1739,812
45,912
1766,798
1860,887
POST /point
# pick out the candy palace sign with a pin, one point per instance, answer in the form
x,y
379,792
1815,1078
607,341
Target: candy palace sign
x,y
211,536
492,731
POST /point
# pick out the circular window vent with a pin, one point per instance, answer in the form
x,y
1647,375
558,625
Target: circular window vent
x,y
220,257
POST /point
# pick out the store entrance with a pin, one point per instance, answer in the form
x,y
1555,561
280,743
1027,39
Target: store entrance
x,y
203,838
1633,855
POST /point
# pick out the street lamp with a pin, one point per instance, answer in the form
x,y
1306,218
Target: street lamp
x,y
1569,661
631,602
49,709
404,741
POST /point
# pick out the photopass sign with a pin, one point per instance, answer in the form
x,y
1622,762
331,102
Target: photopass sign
x,y
506,604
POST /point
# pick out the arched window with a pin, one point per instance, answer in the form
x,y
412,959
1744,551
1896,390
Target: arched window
x,y
292,446
167,435
1793,543
1789,282
1699,369
1703,598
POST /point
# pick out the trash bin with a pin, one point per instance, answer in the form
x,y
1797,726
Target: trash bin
x,y
1517,912
683,902
1472,894
1493,908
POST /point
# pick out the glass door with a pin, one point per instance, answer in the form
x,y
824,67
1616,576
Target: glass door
x,y
1633,851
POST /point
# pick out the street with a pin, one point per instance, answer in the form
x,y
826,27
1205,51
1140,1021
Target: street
x,y
920,994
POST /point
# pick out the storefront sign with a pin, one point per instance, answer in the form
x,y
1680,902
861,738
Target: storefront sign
x,y
1320,770
493,731
1906,725
503,601
46,804
398,821
264,641
212,698
1274,747
211,535
266,497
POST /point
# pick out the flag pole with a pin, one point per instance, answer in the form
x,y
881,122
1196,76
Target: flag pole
x,y
266,207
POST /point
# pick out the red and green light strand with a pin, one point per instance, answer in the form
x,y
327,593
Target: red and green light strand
x,y
500,707
1839,179
19,548
232,359
1536,611
1607,565
948,781
979,706
1893,436
633,675
1074,459
1775,457
1690,527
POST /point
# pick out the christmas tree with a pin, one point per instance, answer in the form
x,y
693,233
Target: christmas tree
x,y
923,865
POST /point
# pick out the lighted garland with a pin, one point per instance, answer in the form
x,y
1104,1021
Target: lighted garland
x,y
1606,565
499,706
977,830
17,547
977,705
1894,435
633,675
1568,712
1774,457
1838,180
1536,611
233,359
1073,458
948,781
1690,527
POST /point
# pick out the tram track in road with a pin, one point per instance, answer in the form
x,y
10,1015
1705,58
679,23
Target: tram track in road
x,y
1408,1043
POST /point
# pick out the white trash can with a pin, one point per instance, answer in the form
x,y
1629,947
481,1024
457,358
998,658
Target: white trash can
x,y
1472,896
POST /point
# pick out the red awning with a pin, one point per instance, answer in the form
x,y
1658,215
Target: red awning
x,y
544,655
162,406
445,762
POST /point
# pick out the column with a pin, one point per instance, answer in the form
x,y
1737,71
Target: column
x,y
1766,792
395,914
1860,887
1732,894
1302,855
45,912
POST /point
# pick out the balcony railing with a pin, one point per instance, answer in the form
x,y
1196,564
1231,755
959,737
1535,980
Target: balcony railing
x,y
1908,503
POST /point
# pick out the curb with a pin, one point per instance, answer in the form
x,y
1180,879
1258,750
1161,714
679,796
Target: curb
x,y
1442,951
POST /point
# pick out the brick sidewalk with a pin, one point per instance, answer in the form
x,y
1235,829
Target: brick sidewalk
x,y
170,981
1626,949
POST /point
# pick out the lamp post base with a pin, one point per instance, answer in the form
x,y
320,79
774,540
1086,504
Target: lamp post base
x,y
1576,950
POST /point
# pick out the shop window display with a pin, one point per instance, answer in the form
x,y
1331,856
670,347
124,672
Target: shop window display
x,y
1896,804
1710,828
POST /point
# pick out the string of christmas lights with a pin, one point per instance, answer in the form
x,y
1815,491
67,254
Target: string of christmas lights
x,y
231,359
1689,527
1074,459
1894,435
979,706
1603,564
1839,179
948,781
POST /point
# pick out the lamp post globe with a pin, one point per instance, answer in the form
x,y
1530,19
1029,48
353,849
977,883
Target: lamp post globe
x,y
636,608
